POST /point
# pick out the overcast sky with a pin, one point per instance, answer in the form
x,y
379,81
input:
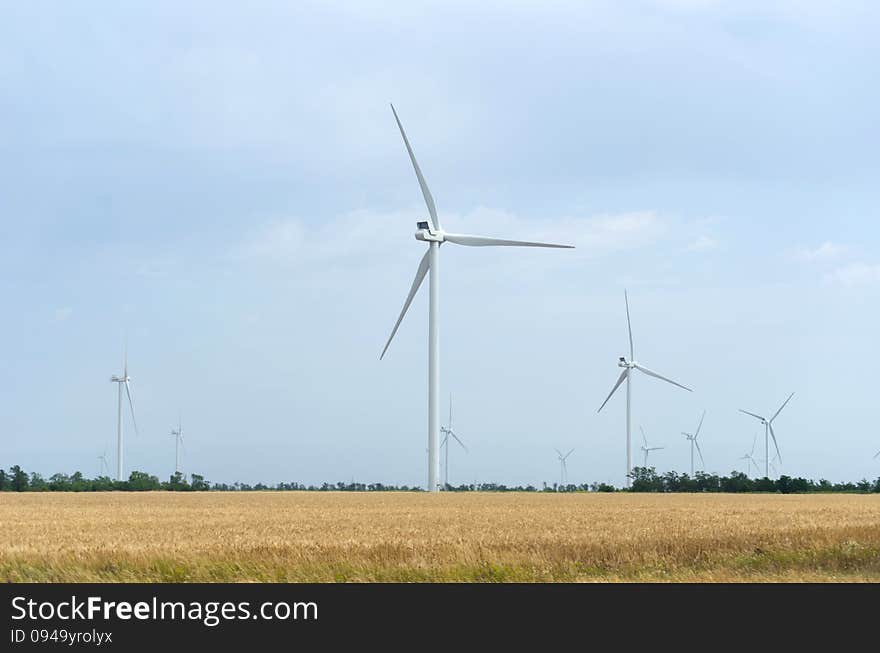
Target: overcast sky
x,y
225,187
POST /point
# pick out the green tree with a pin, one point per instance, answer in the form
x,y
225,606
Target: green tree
x,y
19,481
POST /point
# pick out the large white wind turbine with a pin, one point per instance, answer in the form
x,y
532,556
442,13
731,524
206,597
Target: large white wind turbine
x,y
750,456
626,375
447,431
123,380
563,469
177,434
693,439
431,232
768,429
645,448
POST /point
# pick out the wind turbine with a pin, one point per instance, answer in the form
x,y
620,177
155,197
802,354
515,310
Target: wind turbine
x,y
123,380
768,428
431,232
626,375
751,457
693,438
645,448
447,431
178,442
563,470
102,463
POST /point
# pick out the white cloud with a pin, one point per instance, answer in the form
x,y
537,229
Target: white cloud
x,y
825,252
855,274
702,243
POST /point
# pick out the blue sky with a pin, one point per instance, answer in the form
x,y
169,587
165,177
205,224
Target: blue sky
x,y
225,187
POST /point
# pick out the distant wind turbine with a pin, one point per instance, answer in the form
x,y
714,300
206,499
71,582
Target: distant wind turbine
x,y
178,442
693,439
430,231
751,457
768,429
645,448
123,380
626,375
563,469
447,431
102,463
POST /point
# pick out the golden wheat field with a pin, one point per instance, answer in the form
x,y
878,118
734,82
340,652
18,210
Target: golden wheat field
x,y
299,536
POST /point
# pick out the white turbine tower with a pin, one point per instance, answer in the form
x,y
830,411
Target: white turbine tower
x,y
563,469
626,375
750,456
121,381
645,448
693,439
768,429
431,232
177,434
447,431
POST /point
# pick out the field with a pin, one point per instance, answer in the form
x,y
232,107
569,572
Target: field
x,y
295,536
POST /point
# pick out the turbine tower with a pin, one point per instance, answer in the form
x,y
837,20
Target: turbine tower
x,y
177,434
768,429
563,469
626,375
447,431
750,456
121,381
645,448
431,232
693,439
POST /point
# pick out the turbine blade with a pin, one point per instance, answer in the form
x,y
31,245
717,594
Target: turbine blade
x,y
485,241
781,407
632,354
131,406
662,378
644,439
558,452
773,435
450,410
754,442
700,425
459,441
702,462
426,193
877,454
417,282
616,386
752,414
568,454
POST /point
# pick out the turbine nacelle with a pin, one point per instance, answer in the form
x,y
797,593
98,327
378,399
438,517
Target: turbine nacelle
x,y
426,234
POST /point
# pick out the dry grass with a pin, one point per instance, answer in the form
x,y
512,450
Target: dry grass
x,y
294,536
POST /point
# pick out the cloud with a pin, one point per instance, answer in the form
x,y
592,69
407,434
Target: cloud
x,y
703,243
855,274
825,252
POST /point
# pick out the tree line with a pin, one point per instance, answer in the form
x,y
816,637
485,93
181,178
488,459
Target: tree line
x,y
644,479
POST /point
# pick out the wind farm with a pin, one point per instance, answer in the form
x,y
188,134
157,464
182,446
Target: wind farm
x,y
308,229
